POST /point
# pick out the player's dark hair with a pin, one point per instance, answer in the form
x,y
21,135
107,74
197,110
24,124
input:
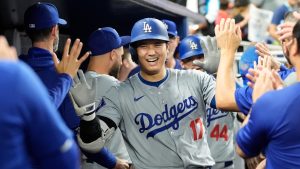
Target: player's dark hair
x,y
39,35
296,33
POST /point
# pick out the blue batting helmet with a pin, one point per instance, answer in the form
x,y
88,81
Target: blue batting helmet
x,y
149,28
190,46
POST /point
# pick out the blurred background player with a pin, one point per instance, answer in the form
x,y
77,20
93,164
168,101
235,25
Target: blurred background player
x,y
171,61
219,124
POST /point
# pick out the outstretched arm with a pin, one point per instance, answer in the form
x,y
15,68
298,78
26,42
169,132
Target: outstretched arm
x,y
228,39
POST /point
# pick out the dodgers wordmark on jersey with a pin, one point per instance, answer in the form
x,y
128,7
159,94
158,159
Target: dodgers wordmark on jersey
x,y
163,125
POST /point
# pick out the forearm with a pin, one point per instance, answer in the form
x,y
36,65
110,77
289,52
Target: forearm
x,y
225,88
272,31
60,89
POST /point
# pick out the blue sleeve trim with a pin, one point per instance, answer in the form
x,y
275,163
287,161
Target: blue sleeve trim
x,y
213,103
105,158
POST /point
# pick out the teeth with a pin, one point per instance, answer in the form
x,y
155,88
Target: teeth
x,y
152,59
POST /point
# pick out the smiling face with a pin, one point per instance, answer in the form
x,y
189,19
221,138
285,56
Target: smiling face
x,y
152,56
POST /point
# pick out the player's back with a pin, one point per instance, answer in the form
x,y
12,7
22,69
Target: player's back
x,y
282,127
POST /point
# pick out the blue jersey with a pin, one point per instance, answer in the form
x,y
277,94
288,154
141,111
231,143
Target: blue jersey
x,y
31,129
243,95
279,14
273,127
58,85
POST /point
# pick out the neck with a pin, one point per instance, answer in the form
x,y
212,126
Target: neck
x,y
154,77
99,65
47,45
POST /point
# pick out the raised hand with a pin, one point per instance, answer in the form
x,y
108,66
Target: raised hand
x,y
70,63
83,96
228,35
263,50
263,84
7,52
211,55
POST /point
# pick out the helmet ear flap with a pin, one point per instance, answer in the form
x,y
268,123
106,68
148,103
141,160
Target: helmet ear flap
x,y
133,53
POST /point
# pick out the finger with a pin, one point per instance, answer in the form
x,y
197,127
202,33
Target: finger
x,y
67,47
76,80
55,59
77,51
74,47
251,77
277,80
204,46
199,63
222,22
82,77
227,24
3,41
269,62
238,31
84,57
250,84
214,43
217,30
232,25
254,65
296,15
210,43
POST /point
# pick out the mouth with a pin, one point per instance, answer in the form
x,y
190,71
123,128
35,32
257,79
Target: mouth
x,y
151,60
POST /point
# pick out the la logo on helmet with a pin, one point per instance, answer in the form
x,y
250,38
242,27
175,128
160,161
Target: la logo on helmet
x,y
166,26
147,27
193,45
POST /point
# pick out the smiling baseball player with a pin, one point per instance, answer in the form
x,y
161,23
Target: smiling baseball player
x,y
160,111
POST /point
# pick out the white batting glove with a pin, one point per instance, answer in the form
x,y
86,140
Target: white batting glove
x,y
83,96
211,55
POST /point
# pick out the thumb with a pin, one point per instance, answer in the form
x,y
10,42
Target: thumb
x,y
55,59
199,63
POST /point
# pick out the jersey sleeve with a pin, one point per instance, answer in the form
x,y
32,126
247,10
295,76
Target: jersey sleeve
x,y
207,87
252,138
243,99
110,105
49,140
60,89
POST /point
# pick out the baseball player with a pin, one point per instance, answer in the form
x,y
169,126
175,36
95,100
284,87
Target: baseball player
x,y
106,59
276,135
161,111
171,61
33,134
174,39
219,124
41,25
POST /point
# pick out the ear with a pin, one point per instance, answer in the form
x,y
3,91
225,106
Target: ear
x,y
182,65
294,48
112,55
54,30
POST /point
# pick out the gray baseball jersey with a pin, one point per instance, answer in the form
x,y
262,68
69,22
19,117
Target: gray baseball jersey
x,y
116,144
220,126
163,126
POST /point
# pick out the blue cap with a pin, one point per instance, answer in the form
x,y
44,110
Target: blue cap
x,y
189,47
105,40
42,15
149,28
171,27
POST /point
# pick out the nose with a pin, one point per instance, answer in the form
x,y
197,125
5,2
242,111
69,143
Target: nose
x,y
151,50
